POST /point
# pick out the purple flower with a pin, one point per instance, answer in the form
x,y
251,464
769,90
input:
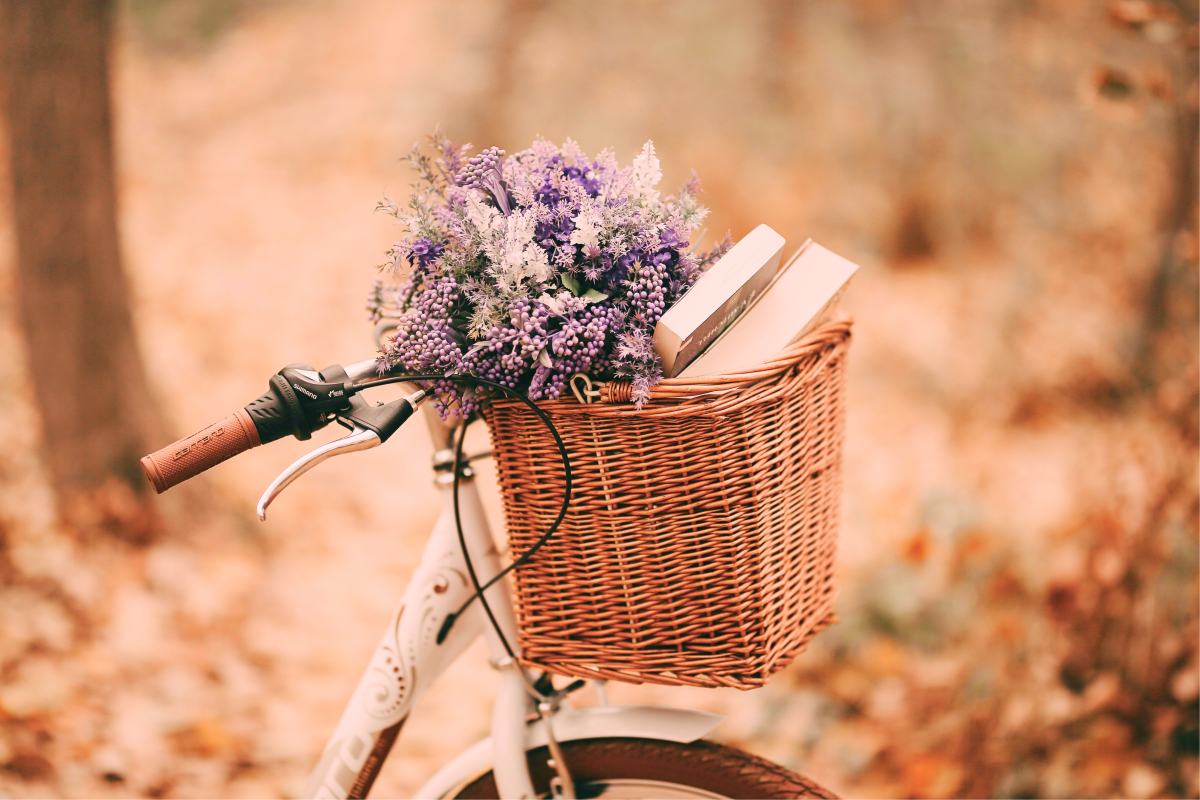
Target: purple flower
x,y
547,194
424,252
670,238
552,235
580,176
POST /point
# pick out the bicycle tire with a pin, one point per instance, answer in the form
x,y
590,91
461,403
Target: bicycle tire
x,y
715,769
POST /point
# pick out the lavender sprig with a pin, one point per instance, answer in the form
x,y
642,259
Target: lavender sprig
x,y
483,172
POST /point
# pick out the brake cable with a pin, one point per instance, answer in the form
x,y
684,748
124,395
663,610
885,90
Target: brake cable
x,y
524,558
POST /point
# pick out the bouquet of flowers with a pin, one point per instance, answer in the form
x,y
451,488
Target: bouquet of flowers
x,y
529,269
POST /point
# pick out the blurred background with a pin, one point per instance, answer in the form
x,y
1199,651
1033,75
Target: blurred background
x,y
1017,179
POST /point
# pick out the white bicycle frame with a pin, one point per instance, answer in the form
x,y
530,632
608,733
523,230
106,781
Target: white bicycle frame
x,y
409,660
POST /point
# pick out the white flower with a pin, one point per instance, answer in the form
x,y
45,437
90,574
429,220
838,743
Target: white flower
x,y
646,174
518,235
482,217
515,256
537,264
588,223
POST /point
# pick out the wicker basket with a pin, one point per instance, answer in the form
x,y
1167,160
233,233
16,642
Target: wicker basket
x,y
699,547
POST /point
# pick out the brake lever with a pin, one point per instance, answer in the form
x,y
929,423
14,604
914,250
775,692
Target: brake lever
x,y
359,439
370,426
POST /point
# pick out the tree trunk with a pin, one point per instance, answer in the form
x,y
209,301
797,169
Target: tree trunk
x,y
90,387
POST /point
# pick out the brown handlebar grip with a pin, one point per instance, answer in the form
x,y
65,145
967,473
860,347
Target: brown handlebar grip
x,y
193,454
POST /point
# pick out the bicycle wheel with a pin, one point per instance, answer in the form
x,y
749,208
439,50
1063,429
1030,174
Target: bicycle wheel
x,y
637,769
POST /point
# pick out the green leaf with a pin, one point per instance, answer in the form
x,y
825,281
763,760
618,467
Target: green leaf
x,y
571,283
594,296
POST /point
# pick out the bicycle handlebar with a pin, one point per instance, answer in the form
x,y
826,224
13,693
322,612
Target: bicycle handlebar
x,y
300,400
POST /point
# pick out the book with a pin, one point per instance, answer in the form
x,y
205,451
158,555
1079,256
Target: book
x,y
717,299
803,294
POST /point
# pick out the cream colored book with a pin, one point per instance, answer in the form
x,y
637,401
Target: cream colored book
x,y
804,292
717,299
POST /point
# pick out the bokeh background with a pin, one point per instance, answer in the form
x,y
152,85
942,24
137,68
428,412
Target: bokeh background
x,y
1019,556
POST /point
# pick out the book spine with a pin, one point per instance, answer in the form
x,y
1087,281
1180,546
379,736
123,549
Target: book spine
x,y
666,343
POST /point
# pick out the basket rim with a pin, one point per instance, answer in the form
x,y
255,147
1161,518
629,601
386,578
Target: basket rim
x,y
832,330
711,394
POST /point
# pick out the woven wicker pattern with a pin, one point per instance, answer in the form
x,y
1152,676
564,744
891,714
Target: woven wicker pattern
x,y
699,548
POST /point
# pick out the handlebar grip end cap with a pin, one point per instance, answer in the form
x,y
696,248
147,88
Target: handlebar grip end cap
x,y
153,475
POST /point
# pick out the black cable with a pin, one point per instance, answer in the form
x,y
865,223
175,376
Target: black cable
x,y
528,554
462,541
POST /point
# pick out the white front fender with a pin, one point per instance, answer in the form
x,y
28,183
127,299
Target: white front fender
x,y
594,722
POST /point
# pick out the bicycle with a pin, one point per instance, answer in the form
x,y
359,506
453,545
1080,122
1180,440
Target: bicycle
x,y
541,745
